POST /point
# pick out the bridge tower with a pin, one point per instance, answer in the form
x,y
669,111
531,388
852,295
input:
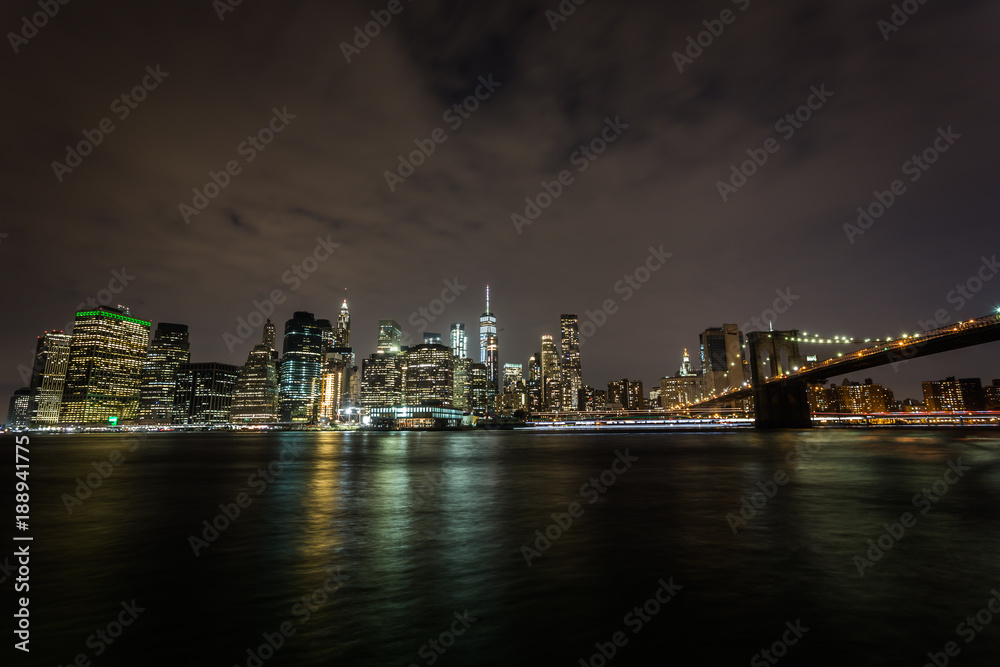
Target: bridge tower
x,y
781,404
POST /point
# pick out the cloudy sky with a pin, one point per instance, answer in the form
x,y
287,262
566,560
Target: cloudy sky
x,y
68,227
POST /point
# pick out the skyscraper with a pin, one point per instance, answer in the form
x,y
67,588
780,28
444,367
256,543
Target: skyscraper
x,y
431,338
107,352
270,337
462,384
19,409
722,362
170,348
299,374
204,394
572,374
390,335
342,335
334,391
49,377
551,381
488,345
255,397
381,380
428,374
459,341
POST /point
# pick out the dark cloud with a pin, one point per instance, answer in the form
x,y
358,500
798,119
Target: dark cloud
x,y
323,175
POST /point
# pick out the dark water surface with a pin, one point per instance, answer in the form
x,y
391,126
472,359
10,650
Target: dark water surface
x,y
426,528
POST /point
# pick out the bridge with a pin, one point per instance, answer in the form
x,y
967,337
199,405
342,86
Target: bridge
x,y
780,395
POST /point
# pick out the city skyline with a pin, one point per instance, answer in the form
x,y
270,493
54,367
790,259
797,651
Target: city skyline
x,y
312,380
655,186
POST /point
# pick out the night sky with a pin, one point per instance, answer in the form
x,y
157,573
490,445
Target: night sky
x,y
607,65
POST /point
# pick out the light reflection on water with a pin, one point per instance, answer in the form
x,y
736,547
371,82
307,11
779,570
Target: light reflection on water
x,y
429,524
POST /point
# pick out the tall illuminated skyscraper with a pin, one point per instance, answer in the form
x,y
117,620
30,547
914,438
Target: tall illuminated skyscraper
x,y
390,336
270,337
49,377
459,341
572,374
255,397
107,352
302,356
168,351
489,354
342,335
551,381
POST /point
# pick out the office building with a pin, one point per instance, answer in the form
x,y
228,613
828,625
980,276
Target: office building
x,y
305,340
722,363
204,394
459,341
479,393
342,334
169,350
628,395
335,387
19,409
48,377
951,395
991,396
462,384
551,376
572,374
489,354
683,389
255,397
432,338
390,335
862,398
381,380
428,374
107,353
